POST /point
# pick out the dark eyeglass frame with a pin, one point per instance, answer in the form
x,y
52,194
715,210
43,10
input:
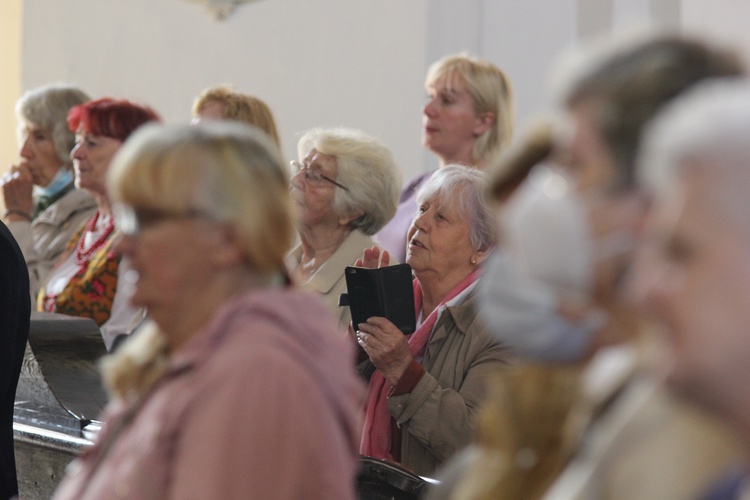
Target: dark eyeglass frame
x,y
314,175
130,221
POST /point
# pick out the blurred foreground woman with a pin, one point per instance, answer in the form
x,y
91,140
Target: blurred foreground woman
x,y
227,395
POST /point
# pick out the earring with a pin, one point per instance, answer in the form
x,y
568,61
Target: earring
x,y
473,261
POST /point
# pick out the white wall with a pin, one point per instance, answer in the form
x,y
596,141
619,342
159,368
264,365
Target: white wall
x,y
359,63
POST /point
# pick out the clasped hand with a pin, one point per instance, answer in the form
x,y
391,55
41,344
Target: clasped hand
x,y
17,186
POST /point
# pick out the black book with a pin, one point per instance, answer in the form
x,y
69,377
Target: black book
x,y
385,292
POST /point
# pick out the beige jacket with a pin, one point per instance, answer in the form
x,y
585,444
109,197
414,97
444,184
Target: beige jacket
x,y
642,442
439,416
329,280
43,240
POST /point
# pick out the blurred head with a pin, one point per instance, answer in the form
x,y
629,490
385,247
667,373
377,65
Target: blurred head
x,y
101,126
617,88
693,271
222,103
468,116
453,230
345,177
610,97
43,135
199,204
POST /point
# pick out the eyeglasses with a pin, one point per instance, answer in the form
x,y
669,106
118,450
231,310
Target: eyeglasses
x,y
130,221
313,175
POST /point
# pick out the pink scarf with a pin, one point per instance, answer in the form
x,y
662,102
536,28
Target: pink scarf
x,y
376,435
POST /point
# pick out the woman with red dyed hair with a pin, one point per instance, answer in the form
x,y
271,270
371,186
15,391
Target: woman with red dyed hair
x,y
85,280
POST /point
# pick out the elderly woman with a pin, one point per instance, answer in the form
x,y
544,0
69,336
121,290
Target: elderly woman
x,y
468,119
345,186
221,102
85,280
43,208
422,401
226,398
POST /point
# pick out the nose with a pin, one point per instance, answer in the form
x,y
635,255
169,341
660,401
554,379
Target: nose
x,y
25,151
430,108
296,180
420,221
77,152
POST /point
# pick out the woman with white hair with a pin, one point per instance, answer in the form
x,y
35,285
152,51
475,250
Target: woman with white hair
x,y
43,207
224,396
423,397
345,187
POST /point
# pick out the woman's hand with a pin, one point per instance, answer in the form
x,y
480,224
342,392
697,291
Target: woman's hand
x,y
372,259
17,185
386,346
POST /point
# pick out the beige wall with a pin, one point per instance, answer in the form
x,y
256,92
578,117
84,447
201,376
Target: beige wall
x,y
10,82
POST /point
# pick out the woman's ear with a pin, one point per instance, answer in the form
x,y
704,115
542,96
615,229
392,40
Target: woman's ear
x,y
484,122
227,247
345,220
479,256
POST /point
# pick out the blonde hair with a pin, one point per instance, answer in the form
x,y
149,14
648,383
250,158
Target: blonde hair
x,y
523,445
226,170
239,107
490,91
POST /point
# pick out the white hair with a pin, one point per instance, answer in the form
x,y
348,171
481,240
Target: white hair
x,y
708,127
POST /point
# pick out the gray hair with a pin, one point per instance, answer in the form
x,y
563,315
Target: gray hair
x,y
707,129
366,167
629,80
464,187
47,108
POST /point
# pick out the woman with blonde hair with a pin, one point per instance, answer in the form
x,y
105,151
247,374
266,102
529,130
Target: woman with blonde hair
x,y
223,396
221,102
467,119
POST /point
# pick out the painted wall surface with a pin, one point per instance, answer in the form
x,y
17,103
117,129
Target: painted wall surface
x,y
359,63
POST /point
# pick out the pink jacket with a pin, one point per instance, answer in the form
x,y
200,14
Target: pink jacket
x,y
262,404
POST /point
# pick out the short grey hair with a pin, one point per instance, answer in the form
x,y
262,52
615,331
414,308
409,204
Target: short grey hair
x,y
47,108
464,187
706,129
629,79
366,167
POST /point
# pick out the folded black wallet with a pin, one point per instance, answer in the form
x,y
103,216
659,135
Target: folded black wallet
x,y
385,292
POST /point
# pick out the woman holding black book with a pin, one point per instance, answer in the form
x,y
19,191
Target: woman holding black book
x,y
423,397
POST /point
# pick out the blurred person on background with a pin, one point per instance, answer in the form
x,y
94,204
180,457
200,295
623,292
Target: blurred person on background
x,y
43,207
221,102
693,270
88,280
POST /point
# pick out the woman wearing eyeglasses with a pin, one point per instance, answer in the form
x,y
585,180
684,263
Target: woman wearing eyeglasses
x,y
345,187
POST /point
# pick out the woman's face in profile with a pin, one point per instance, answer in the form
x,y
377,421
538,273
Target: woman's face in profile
x,y
38,152
91,156
450,124
314,194
438,240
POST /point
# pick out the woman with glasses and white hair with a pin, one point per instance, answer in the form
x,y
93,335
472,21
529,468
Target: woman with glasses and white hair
x,y
346,188
223,396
